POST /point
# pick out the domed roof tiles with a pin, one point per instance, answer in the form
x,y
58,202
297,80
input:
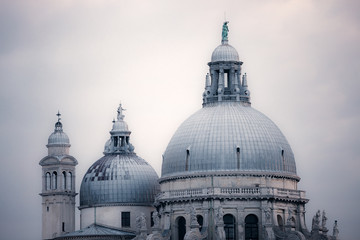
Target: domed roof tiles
x,y
119,179
228,136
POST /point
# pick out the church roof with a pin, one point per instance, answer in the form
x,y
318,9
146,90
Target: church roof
x,y
96,230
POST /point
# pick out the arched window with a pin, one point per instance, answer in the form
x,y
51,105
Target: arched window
x,y
200,221
69,182
64,180
54,180
251,227
47,181
181,228
280,222
229,227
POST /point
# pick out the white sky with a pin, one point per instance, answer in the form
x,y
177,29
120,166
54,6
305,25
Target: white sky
x,y
84,57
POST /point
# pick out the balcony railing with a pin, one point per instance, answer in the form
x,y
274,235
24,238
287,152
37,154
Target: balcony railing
x,y
233,192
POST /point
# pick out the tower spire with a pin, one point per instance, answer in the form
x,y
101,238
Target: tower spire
x,y
59,116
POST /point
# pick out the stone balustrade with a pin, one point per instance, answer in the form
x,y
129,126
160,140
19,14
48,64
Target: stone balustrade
x,y
233,193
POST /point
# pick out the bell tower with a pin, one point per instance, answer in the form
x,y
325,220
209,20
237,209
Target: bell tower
x,y
58,185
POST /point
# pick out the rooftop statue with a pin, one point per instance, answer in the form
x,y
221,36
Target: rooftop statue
x,y
225,30
120,115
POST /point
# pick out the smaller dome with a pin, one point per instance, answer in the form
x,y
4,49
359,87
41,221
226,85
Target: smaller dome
x,y
224,53
120,126
118,179
58,136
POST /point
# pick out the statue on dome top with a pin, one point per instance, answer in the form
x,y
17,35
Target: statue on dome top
x,y
225,30
120,115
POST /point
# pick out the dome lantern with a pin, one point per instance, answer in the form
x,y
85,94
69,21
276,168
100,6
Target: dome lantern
x,y
224,83
119,141
58,141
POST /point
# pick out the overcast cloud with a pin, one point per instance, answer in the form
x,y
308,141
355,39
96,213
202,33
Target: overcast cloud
x,y
84,57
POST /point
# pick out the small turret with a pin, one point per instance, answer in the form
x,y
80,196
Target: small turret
x,y
120,136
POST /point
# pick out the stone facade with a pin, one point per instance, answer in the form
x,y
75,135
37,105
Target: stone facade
x,y
111,216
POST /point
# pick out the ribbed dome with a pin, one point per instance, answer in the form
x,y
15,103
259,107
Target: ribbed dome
x,y
58,136
120,126
228,136
119,179
224,52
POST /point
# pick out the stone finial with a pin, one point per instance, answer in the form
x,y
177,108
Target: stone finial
x,y
141,222
335,230
289,219
316,221
219,215
156,219
323,222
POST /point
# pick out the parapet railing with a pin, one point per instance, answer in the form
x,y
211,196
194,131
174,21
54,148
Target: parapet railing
x,y
233,192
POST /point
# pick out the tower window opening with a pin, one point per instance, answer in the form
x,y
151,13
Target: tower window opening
x,y
69,185
64,180
115,141
47,181
63,226
187,160
54,180
47,208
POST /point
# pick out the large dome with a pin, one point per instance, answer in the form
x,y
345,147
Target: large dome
x,y
119,179
228,136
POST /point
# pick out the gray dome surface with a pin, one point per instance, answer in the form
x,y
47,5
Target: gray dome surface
x,y
225,52
228,136
58,136
119,179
